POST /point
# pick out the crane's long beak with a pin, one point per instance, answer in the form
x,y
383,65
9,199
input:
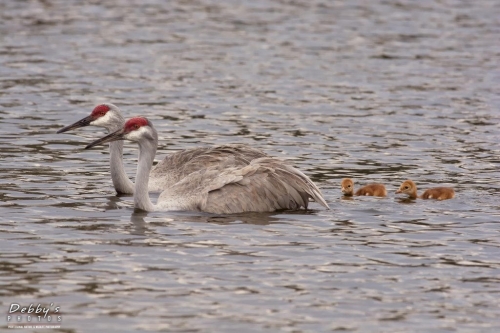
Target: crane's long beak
x,y
115,136
80,123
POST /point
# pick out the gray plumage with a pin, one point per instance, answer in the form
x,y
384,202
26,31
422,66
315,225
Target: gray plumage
x,y
178,165
265,185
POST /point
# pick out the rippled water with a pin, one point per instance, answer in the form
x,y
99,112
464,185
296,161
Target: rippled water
x,y
378,91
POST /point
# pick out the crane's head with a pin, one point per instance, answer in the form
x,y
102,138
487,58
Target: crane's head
x,y
104,115
137,129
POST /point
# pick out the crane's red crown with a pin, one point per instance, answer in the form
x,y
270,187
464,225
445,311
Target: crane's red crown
x,y
99,111
135,123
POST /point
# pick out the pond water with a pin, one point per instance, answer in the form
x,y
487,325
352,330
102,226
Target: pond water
x,y
379,91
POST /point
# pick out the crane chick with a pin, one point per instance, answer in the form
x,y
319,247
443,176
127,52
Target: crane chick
x,y
438,193
377,190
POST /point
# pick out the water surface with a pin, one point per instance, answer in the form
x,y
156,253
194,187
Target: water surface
x,y
380,91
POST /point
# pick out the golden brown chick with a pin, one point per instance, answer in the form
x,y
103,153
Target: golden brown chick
x,y
347,186
377,190
438,193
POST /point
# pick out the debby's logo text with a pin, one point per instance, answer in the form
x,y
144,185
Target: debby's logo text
x,y
36,313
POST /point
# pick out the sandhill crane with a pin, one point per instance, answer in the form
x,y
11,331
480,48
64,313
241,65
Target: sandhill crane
x,y
264,185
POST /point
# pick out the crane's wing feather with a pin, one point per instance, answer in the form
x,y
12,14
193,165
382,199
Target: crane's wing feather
x,y
264,185
176,166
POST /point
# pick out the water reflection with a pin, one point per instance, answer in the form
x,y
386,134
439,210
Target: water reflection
x,y
403,200
117,201
140,217
138,220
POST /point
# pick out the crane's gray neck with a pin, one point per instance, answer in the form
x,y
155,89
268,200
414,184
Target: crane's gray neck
x,y
147,152
121,182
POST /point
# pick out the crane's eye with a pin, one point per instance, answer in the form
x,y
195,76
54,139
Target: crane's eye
x,y
406,187
101,114
136,126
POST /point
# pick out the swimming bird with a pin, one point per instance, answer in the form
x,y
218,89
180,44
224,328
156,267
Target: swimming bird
x,y
266,184
172,168
377,190
438,193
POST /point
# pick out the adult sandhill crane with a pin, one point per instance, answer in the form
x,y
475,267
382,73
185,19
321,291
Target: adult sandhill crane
x,y
173,167
264,185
